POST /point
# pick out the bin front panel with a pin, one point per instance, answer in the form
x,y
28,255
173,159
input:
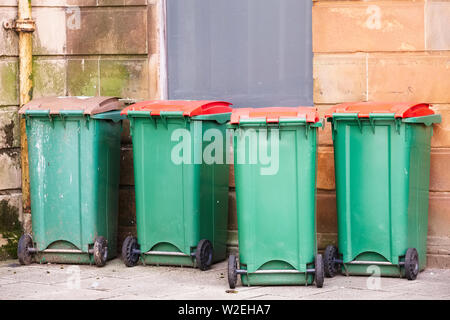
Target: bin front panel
x,y
276,212
73,180
380,187
55,184
179,202
165,206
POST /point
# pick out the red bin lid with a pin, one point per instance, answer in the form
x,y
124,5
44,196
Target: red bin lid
x,y
189,108
89,105
273,114
400,109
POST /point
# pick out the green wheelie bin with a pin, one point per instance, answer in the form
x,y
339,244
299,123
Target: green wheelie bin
x,y
382,167
275,160
74,155
181,191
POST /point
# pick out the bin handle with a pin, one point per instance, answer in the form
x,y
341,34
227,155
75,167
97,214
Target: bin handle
x,y
171,114
262,121
347,116
37,113
426,120
164,115
380,116
252,121
66,113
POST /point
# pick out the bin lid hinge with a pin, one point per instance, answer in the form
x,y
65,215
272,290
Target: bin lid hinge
x,y
131,119
154,120
62,116
164,115
398,123
164,121
359,123
372,123
307,128
333,129
87,120
27,120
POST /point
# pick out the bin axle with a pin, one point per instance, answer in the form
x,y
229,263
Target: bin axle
x,y
383,263
243,271
161,253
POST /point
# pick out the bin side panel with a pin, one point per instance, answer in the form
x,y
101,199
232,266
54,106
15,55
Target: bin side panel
x,y
165,209
55,183
214,184
306,151
399,174
420,142
106,167
276,211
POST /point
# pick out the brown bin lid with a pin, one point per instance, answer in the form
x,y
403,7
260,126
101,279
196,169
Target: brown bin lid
x,y
89,105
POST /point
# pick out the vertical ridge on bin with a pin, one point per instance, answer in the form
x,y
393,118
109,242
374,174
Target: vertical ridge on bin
x,y
390,161
80,198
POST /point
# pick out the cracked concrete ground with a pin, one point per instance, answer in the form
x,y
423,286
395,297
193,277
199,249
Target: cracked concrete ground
x,y
115,281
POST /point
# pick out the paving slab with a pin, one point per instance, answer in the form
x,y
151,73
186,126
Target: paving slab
x,y
350,294
409,296
115,281
27,290
426,288
43,276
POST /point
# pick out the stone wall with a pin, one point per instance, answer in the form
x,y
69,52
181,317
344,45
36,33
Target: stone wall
x,y
386,51
364,50
11,216
80,47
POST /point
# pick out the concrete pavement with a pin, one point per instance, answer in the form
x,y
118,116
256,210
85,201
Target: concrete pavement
x,y
115,281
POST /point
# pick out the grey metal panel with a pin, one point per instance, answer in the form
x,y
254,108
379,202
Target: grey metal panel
x,y
253,53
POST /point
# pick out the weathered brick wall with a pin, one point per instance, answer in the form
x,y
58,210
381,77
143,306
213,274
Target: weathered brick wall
x,y
11,216
80,47
364,50
386,51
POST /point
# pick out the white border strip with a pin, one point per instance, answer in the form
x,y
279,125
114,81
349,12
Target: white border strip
x,y
163,81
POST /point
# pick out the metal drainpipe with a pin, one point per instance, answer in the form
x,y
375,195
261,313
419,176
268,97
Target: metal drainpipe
x,y
24,26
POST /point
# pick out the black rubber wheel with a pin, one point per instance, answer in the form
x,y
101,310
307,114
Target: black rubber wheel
x,y
329,263
232,274
319,273
100,251
24,255
411,264
129,258
203,254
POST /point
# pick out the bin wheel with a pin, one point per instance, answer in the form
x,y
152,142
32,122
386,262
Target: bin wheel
x,y
411,264
129,258
203,254
232,274
100,251
319,272
24,255
330,265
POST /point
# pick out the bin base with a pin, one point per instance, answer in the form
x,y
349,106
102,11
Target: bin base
x,y
67,253
373,264
393,271
67,258
277,279
169,260
180,260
